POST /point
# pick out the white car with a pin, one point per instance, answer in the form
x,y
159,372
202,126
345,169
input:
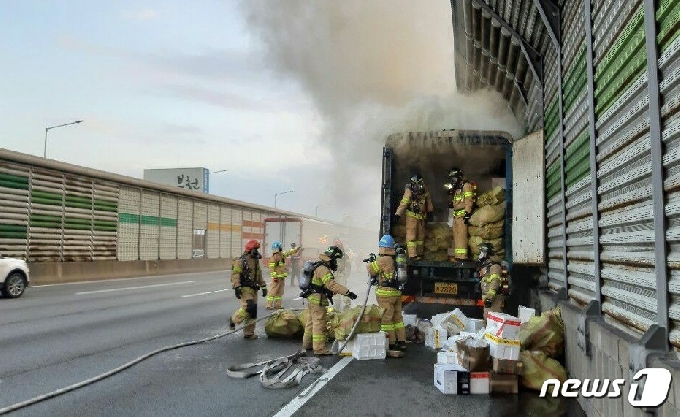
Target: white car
x,y
14,277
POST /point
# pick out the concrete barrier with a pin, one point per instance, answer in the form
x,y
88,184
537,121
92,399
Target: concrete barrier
x,y
61,272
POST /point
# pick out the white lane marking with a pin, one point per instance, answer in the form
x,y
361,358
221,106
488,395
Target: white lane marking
x,y
204,293
98,281
134,288
300,399
196,295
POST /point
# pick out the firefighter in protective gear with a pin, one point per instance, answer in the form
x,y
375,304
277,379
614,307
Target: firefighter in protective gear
x,y
294,265
277,271
246,279
323,285
491,280
417,204
383,272
462,202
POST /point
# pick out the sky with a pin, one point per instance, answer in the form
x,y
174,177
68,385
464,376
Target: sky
x,y
283,94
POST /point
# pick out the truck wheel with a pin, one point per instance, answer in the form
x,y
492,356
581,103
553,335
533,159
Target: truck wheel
x,y
15,285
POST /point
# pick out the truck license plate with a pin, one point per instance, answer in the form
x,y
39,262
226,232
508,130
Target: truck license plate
x,y
445,288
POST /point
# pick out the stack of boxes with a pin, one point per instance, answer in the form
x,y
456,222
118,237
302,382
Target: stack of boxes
x,y
479,360
502,333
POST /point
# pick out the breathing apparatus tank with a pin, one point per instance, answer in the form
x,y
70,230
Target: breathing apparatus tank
x,y
400,259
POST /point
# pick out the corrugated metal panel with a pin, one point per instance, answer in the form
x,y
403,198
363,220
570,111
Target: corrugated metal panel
x,y
168,226
212,239
78,219
578,198
624,162
668,17
185,230
14,210
105,225
47,216
246,227
237,243
556,273
128,223
225,232
150,230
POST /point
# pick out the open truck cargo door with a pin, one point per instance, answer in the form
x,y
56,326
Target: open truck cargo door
x,y
528,214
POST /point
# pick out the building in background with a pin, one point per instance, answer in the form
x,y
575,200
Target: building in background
x,y
195,179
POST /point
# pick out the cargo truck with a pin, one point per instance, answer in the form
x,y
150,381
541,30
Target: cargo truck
x,y
487,158
314,236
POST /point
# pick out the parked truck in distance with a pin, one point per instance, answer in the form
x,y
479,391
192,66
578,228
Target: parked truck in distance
x,y
487,158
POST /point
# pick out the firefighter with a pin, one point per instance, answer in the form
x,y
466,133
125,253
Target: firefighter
x,y
294,265
323,286
417,204
277,271
246,279
490,274
343,268
462,202
383,272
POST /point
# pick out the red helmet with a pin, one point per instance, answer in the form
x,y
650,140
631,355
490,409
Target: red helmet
x,y
252,244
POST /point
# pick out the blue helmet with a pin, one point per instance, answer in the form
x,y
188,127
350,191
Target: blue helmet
x,y
387,241
276,245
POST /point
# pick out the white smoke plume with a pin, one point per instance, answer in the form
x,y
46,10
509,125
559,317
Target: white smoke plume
x,y
372,68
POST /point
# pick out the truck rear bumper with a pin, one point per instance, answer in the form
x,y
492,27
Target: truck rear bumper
x,y
426,307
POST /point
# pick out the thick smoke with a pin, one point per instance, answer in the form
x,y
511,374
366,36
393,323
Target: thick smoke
x,y
372,68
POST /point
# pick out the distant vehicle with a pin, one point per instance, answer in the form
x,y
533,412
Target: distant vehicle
x,y
197,253
14,275
313,236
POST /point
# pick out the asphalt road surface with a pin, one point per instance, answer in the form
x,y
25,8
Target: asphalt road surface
x,y
56,336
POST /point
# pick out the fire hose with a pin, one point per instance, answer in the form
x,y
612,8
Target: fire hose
x,y
274,364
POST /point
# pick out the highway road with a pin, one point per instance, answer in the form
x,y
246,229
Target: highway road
x,y
55,336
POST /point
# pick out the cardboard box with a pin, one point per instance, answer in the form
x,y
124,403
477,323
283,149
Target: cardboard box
x,y
474,359
503,383
525,313
459,319
447,357
503,348
410,319
479,383
502,325
503,366
451,379
474,325
435,337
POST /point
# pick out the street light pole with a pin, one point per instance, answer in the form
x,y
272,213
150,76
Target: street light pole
x,y
283,192
47,129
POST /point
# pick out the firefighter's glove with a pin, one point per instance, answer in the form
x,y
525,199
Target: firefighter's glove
x,y
396,217
264,291
467,217
237,292
430,217
374,280
488,302
351,295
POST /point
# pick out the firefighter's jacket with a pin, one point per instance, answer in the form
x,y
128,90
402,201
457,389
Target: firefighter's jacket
x,y
463,199
277,263
491,280
323,280
253,277
415,206
384,269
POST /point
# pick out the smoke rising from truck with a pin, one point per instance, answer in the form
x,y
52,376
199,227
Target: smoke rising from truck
x,y
372,68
